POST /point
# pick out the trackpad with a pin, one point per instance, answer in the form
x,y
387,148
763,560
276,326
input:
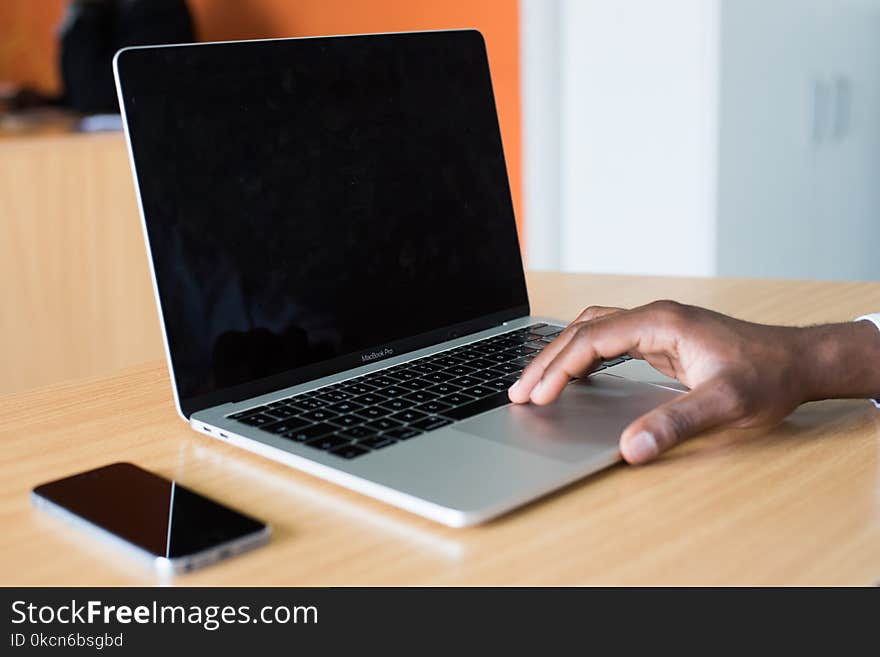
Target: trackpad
x,y
584,422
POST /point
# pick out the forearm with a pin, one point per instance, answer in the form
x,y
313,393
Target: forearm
x,y
840,361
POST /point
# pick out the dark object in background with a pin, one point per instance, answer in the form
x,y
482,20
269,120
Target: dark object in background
x,y
94,30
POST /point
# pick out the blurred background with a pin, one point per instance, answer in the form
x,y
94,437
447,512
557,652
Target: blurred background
x,y
683,137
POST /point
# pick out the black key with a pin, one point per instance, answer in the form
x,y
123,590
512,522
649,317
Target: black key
x,y
383,424
525,350
408,415
479,391
373,412
349,451
546,330
420,396
457,399
257,420
359,388
404,433
416,384
307,404
424,368
481,352
439,377
285,426
510,343
483,375
404,375
318,415
381,381
377,442
465,381
328,442
250,411
393,391
447,361
507,368
398,404
282,412
479,406
460,370
481,363
433,407
344,407
430,423
357,432
369,399
309,433
522,362
332,396
498,384
501,357
347,420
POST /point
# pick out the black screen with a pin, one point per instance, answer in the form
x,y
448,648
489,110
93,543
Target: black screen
x,y
157,515
313,201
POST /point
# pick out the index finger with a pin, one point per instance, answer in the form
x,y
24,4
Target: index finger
x,y
589,314
584,344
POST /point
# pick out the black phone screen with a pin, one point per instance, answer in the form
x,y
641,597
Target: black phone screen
x,y
153,513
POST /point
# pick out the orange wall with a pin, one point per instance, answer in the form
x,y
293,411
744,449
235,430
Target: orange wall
x,y
28,50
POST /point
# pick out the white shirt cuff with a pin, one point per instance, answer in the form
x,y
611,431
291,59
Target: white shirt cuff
x,y
875,320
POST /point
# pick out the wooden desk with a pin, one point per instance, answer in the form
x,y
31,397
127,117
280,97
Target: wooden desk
x,y
800,505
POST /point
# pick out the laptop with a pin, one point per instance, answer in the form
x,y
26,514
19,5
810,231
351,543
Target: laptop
x,y
338,274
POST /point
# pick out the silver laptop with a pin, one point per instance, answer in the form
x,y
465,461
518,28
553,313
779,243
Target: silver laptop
x,y
339,280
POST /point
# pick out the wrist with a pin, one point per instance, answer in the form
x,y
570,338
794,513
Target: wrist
x,y
839,361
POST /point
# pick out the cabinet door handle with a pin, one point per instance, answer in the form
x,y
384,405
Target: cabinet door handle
x,y
821,102
842,103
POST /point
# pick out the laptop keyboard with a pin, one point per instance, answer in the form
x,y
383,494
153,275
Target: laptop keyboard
x,y
377,410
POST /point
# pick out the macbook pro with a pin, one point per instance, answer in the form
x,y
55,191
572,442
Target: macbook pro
x,y
338,274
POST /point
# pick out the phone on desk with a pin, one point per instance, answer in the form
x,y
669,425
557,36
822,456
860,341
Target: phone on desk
x,y
161,521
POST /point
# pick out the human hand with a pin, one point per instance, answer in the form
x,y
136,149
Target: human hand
x,y
740,374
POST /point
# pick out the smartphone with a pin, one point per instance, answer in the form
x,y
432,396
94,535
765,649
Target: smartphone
x,y
172,527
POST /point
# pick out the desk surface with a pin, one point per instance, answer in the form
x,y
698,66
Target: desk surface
x,y
797,505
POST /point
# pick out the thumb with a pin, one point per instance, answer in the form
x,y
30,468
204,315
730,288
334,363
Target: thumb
x,y
708,405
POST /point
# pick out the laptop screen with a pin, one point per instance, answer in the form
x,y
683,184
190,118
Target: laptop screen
x,y
316,204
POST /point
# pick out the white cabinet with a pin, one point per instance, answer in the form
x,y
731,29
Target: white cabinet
x,y
799,140
702,137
